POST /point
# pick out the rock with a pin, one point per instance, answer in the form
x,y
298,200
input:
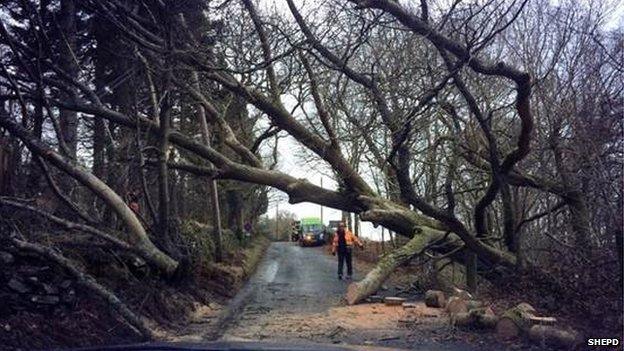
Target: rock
x,y
547,335
6,257
394,301
456,305
435,298
45,299
66,284
17,285
49,289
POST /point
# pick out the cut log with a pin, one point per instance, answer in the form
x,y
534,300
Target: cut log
x,y
519,320
357,292
543,320
521,315
506,329
435,298
484,317
547,335
456,305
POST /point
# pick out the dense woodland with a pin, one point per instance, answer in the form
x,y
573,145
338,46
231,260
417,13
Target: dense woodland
x,y
487,132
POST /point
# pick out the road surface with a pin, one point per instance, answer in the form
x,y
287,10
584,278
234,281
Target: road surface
x,y
295,296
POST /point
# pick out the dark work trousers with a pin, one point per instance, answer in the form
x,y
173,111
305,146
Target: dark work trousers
x,y
345,255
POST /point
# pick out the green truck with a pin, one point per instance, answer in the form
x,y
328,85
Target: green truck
x,y
312,231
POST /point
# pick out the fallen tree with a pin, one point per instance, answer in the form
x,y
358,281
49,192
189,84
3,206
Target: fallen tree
x,y
89,283
358,291
408,213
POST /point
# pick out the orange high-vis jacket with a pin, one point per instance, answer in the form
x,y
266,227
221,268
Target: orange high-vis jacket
x,y
349,238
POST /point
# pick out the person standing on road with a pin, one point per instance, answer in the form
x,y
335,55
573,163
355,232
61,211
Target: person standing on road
x,y
343,244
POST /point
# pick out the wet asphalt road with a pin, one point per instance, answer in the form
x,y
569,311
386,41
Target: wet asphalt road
x,y
290,279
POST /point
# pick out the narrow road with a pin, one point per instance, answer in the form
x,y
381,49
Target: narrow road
x,y
290,281
295,296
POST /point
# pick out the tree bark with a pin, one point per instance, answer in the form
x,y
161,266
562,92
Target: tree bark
x,y
68,57
356,292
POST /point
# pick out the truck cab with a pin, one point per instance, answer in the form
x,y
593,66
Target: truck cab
x,y
312,232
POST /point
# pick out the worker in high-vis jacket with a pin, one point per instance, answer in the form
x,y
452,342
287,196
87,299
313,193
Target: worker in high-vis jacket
x,y
343,244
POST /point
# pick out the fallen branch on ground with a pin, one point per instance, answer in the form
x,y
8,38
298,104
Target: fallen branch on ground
x,y
90,283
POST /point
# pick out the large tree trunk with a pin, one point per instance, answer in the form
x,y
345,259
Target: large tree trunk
x,y
163,179
68,57
358,291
